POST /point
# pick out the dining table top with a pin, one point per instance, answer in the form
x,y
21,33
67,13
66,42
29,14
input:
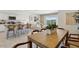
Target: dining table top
x,y
44,40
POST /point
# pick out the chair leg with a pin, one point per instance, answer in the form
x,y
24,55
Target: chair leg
x,y
30,44
23,31
18,33
14,34
7,34
36,46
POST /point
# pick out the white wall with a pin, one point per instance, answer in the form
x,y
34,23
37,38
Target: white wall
x,y
19,17
22,18
62,21
3,16
26,18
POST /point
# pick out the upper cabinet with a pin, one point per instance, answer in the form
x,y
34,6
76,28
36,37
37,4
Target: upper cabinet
x,y
70,19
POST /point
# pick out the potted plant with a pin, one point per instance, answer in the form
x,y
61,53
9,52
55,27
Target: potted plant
x,y
51,27
54,26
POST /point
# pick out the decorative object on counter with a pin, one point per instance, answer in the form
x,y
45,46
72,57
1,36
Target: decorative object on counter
x,y
2,21
35,19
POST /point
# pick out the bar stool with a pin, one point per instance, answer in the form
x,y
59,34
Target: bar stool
x,y
28,42
11,28
19,30
27,27
23,29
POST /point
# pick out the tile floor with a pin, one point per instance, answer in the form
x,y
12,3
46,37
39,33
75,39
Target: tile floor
x,y
9,43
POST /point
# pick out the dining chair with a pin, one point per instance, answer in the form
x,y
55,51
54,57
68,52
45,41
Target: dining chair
x,y
28,42
43,29
21,44
33,32
72,41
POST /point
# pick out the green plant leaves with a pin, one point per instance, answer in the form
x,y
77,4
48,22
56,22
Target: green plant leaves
x,y
51,26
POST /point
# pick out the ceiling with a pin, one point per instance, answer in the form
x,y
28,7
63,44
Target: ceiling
x,y
28,12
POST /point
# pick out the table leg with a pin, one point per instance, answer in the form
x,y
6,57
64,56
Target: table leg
x,y
66,44
30,45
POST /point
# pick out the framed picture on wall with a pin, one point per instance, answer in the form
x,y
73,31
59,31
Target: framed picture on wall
x,y
35,19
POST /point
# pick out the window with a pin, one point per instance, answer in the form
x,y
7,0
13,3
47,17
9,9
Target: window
x,y
51,20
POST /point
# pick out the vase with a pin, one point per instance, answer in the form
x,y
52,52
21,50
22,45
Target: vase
x,y
48,31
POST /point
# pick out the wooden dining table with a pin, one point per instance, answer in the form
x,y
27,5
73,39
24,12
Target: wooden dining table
x,y
44,40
